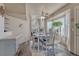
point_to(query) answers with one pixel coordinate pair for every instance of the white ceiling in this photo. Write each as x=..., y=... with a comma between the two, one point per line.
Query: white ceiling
x=35, y=8
x=16, y=10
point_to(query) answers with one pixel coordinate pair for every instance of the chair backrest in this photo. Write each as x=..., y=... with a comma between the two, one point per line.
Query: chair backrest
x=52, y=37
x=23, y=50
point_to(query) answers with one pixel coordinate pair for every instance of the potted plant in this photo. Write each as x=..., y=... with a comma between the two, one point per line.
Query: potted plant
x=77, y=25
x=56, y=24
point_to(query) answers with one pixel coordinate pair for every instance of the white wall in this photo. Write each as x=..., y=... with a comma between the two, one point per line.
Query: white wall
x=76, y=31
x=2, y=20
x=23, y=32
x=7, y=47
x=1, y=24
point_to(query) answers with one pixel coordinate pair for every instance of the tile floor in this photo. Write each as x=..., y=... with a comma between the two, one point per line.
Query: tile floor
x=58, y=51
